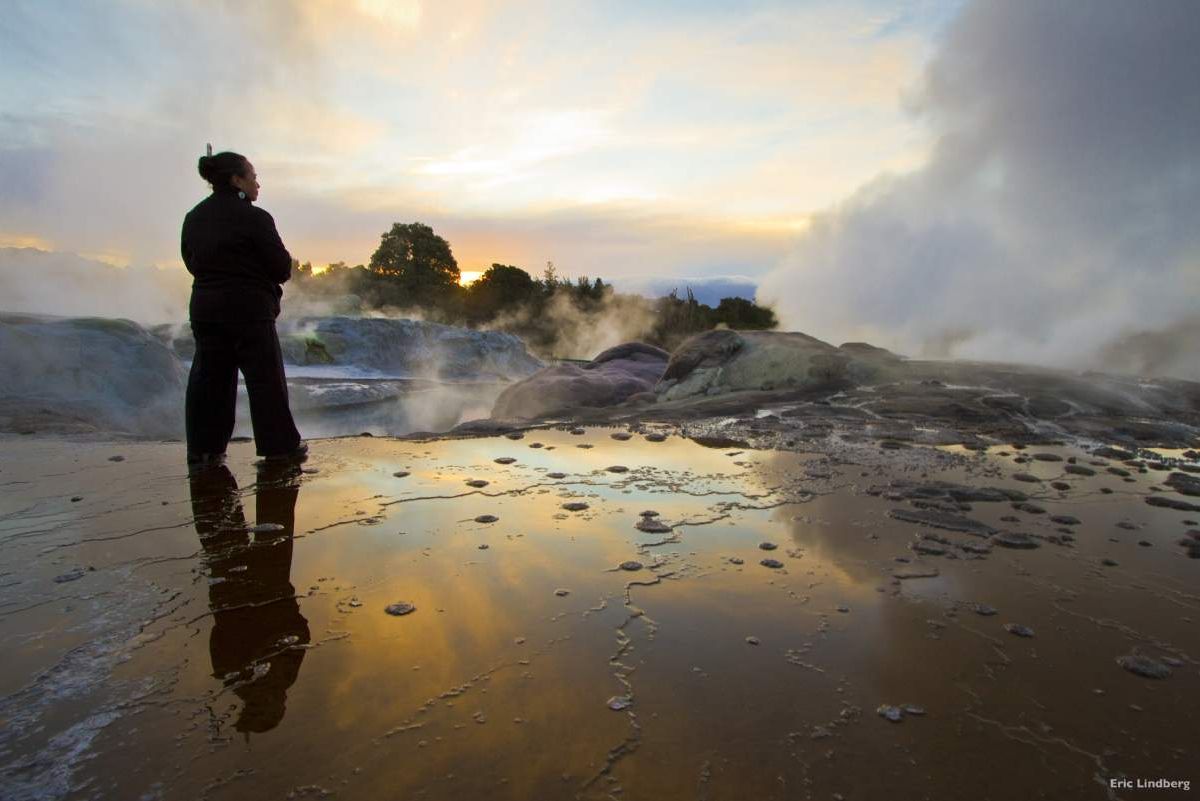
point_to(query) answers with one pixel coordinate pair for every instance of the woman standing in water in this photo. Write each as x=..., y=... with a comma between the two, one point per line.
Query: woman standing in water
x=238, y=264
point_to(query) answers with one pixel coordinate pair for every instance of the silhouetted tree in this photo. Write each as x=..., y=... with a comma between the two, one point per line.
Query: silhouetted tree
x=416, y=265
x=744, y=314
x=549, y=282
x=500, y=288
x=414, y=268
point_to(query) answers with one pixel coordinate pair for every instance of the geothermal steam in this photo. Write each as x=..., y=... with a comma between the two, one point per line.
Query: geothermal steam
x=1055, y=220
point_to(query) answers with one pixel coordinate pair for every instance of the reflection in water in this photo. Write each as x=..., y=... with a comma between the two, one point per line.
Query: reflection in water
x=257, y=625
x=735, y=680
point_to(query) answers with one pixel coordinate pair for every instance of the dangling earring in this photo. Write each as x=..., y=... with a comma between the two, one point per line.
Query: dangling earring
x=241, y=194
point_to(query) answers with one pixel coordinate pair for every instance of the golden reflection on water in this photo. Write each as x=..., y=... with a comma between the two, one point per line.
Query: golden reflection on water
x=286, y=673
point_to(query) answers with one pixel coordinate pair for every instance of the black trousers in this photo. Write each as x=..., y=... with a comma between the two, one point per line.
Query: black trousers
x=221, y=350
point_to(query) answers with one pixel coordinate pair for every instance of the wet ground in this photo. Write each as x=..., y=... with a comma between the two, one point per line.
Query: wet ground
x=377, y=627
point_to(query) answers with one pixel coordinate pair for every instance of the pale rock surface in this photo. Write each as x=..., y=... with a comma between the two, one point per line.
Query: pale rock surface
x=721, y=361
x=87, y=374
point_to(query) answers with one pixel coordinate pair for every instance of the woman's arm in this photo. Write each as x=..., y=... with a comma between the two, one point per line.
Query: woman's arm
x=274, y=257
x=184, y=249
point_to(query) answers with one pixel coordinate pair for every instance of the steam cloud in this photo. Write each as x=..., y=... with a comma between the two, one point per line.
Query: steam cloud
x=1055, y=220
x=584, y=334
x=36, y=281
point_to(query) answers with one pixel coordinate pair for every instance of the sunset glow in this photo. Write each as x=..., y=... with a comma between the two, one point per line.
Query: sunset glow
x=608, y=140
x=599, y=399
x=859, y=166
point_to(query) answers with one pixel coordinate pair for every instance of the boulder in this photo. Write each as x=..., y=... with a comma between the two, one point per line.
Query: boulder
x=729, y=361
x=87, y=374
x=613, y=377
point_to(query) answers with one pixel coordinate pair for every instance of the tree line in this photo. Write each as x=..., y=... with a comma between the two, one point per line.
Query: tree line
x=414, y=270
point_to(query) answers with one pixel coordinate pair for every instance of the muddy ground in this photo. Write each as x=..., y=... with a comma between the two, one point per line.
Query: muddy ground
x=783, y=601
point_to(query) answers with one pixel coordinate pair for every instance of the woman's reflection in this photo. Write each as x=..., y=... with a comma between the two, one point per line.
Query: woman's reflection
x=258, y=633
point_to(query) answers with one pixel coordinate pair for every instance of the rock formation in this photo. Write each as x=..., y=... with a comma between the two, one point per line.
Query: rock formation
x=613, y=377
x=87, y=374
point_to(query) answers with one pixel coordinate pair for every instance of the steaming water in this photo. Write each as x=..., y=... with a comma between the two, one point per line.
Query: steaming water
x=329, y=372
x=345, y=375
x=390, y=376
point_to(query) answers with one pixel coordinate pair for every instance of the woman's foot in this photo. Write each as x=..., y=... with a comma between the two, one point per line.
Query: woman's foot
x=297, y=454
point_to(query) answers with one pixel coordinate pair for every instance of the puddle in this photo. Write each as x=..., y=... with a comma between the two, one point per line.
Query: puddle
x=226, y=636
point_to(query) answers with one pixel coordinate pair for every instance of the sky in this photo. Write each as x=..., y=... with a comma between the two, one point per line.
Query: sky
x=685, y=139
x=974, y=178
x=1056, y=219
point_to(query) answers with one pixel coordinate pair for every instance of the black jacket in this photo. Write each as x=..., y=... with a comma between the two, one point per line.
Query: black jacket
x=237, y=259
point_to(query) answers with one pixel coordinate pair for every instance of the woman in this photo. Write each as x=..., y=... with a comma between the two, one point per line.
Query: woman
x=238, y=262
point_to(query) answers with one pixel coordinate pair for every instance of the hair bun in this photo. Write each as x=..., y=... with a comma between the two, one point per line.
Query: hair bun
x=219, y=168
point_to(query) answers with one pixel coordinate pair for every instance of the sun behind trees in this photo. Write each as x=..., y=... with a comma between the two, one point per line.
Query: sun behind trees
x=413, y=272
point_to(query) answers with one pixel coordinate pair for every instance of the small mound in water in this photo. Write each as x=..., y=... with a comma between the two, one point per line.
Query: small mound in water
x=400, y=608
x=1144, y=666
x=1172, y=503
x=1184, y=484
x=1014, y=539
x=893, y=713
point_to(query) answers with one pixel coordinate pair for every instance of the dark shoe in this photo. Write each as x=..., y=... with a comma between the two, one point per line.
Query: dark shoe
x=205, y=459
x=297, y=454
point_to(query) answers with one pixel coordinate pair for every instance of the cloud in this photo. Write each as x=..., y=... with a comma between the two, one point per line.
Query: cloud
x=530, y=112
x=611, y=240
x=1056, y=212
